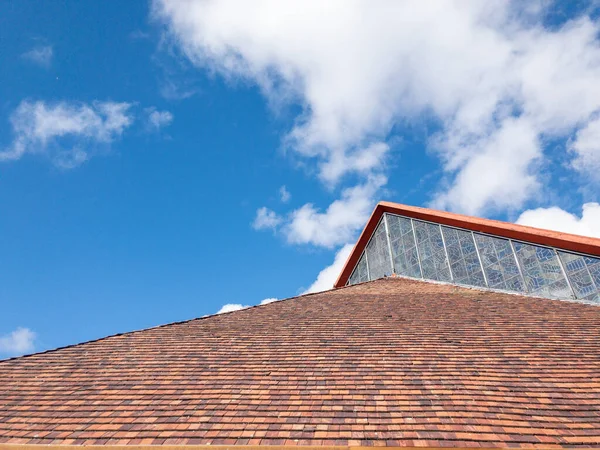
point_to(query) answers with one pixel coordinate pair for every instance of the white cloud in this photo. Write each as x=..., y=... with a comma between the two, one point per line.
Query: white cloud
x=158, y=119
x=41, y=55
x=64, y=131
x=334, y=226
x=586, y=146
x=363, y=161
x=266, y=219
x=284, y=194
x=18, y=341
x=339, y=222
x=488, y=73
x=329, y=274
x=555, y=218
x=230, y=307
x=499, y=174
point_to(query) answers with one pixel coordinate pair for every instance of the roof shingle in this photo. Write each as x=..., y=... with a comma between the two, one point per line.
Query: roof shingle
x=390, y=362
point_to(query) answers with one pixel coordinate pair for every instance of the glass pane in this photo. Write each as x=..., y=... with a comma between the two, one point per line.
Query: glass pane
x=418, y=250
x=593, y=266
x=404, y=250
x=499, y=263
x=360, y=272
x=542, y=272
x=378, y=254
x=431, y=251
x=464, y=262
x=579, y=275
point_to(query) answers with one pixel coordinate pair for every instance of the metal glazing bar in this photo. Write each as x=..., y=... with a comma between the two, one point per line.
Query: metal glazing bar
x=367, y=263
x=479, y=259
x=512, y=247
x=446, y=253
x=389, y=242
x=412, y=224
x=564, y=272
x=350, y=277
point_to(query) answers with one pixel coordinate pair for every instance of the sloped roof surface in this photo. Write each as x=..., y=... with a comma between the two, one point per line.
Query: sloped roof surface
x=390, y=362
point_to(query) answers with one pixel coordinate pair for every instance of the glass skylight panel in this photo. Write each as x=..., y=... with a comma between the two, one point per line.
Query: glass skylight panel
x=579, y=275
x=363, y=272
x=360, y=274
x=593, y=265
x=499, y=264
x=431, y=251
x=404, y=249
x=541, y=271
x=378, y=254
x=430, y=244
x=464, y=262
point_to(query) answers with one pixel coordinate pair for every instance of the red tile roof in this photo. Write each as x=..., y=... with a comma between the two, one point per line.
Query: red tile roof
x=565, y=241
x=392, y=362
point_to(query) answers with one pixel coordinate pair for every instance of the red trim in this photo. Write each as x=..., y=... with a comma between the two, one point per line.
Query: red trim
x=565, y=241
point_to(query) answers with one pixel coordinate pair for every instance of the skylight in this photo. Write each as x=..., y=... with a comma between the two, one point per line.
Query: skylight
x=420, y=249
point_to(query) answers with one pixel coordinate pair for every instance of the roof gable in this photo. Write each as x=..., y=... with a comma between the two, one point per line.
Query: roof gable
x=441, y=246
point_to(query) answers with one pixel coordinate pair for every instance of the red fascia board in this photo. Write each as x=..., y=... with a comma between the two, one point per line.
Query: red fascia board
x=564, y=241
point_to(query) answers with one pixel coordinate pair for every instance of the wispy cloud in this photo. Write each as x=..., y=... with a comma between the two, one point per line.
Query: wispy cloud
x=284, y=194
x=266, y=219
x=69, y=133
x=328, y=228
x=170, y=89
x=18, y=342
x=41, y=55
x=139, y=35
x=158, y=119
x=43, y=128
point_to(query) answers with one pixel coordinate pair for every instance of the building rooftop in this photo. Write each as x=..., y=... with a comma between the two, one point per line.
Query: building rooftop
x=395, y=362
x=444, y=330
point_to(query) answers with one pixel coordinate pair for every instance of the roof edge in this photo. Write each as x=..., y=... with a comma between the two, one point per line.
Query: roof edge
x=213, y=447
x=153, y=327
x=563, y=241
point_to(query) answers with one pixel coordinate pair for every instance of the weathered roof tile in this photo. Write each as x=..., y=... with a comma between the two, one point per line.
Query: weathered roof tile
x=392, y=362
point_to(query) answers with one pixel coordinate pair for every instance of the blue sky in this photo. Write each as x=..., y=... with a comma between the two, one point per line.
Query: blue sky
x=161, y=160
